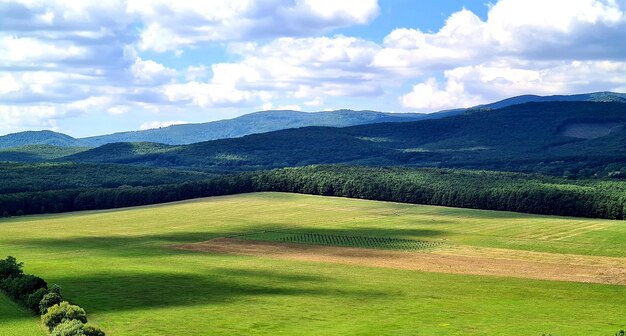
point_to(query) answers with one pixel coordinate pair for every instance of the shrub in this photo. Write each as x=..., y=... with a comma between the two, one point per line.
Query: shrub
x=9, y=267
x=49, y=300
x=32, y=300
x=92, y=331
x=19, y=287
x=62, y=312
x=55, y=289
x=75, y=328
x=68, y=328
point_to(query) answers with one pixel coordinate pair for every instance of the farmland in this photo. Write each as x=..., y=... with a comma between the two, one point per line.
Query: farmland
x=126, y=268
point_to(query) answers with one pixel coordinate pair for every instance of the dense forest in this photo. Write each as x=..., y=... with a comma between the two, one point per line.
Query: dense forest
x=20, y=178
x=458, y=188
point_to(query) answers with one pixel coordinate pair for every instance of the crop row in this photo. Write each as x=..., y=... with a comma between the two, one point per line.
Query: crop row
x=358, y=241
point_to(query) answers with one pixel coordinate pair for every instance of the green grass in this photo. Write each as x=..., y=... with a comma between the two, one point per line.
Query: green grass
x=15, y=321
x=116, y=265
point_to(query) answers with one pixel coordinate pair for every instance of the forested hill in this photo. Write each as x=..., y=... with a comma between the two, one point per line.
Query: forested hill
x=37, y=138
x=598, y=97
x=258, y=122
x=561, y=138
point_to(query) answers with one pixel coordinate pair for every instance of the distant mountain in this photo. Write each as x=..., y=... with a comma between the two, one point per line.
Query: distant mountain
x=598, y=97
x=258, y=122
x=561, y=138
x=37, y=138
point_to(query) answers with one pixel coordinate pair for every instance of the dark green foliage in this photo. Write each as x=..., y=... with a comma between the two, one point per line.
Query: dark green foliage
x=9, y=267
x=458, y=188
x=124, y=196
x=90, y=330
x=37, y=153
x=75, y=328
x=50, y=299
x=62, y=312
x=33, y=300
x=19, y=287
x=17, y=178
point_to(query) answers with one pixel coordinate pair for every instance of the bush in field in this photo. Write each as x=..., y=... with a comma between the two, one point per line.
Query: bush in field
x=90, y=330
x=21, y=286
x=68, y=328
x=75, y=328
x=9, y=267
x=32, y=300
x=62, y=312
x=49, y=300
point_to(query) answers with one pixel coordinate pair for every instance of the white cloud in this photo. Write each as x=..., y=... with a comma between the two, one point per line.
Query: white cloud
x=60, y=56
x=160, y=124
x=60, y=59
x=270, y=106
x=429, y=96
x=170, y=25
x=151, y=72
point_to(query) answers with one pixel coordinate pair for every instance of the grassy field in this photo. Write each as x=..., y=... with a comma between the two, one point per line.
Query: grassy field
x=119, y=266
x=14, y=321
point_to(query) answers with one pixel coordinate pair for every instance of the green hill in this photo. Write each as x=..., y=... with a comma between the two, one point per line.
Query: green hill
x=37, y=153
x=526, y=137
x=37, y=138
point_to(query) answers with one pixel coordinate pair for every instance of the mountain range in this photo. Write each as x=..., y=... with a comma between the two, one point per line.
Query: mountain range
x=559, y=138
x=267, y=121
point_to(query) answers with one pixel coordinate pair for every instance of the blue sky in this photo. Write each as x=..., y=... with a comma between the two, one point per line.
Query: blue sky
x=95, y=67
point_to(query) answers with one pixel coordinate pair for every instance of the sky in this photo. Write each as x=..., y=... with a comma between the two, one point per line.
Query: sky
x=95, y=67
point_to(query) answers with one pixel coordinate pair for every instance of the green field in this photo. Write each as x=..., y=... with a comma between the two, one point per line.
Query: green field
x=15, y=321
x=119, y=266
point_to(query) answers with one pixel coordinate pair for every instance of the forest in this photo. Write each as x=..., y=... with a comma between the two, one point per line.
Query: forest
x=530, y=193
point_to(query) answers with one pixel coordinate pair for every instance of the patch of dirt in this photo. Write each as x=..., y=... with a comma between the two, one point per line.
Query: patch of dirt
x=457, y=260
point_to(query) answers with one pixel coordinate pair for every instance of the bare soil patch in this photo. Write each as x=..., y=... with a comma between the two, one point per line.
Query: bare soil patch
x=461, y=260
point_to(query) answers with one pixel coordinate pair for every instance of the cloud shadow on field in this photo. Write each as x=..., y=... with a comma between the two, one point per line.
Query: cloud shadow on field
x=121, y=291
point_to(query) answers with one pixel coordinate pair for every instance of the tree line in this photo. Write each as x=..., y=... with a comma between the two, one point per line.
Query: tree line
x=456, y=188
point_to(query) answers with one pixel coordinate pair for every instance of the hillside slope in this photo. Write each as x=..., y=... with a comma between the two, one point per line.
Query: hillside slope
x=37, y=138
x=527, y=137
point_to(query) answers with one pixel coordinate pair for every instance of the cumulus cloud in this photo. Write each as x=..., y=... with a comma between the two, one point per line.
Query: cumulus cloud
x=540, y=47
x=169, y=25
x=65, y=58
x=58, y=56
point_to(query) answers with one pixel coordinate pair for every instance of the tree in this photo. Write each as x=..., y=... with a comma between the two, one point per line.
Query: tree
x=9, y=267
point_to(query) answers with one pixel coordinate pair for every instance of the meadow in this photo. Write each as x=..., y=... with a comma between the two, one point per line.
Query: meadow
x=122, y=267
